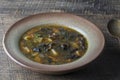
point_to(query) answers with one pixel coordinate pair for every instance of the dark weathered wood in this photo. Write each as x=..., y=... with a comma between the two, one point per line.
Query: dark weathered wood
x=106, y=67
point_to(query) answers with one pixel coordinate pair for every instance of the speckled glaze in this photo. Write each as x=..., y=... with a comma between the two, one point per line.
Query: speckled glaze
x=90, y=31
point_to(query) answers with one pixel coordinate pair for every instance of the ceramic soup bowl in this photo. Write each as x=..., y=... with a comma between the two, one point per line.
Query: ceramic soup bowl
x=93, y=35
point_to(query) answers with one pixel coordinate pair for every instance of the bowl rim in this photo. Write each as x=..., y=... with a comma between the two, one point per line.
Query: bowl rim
x=56, y=70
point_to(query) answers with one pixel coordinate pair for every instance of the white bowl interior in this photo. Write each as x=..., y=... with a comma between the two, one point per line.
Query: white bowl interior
x=94, y=37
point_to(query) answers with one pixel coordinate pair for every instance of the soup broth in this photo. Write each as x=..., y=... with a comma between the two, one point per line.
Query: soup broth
x=53, y=44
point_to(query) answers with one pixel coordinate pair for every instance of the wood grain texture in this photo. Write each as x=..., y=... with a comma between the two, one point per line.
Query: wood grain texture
x=105, y=67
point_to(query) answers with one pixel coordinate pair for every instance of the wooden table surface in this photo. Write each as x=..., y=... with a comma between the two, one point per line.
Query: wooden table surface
x=105, y=67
